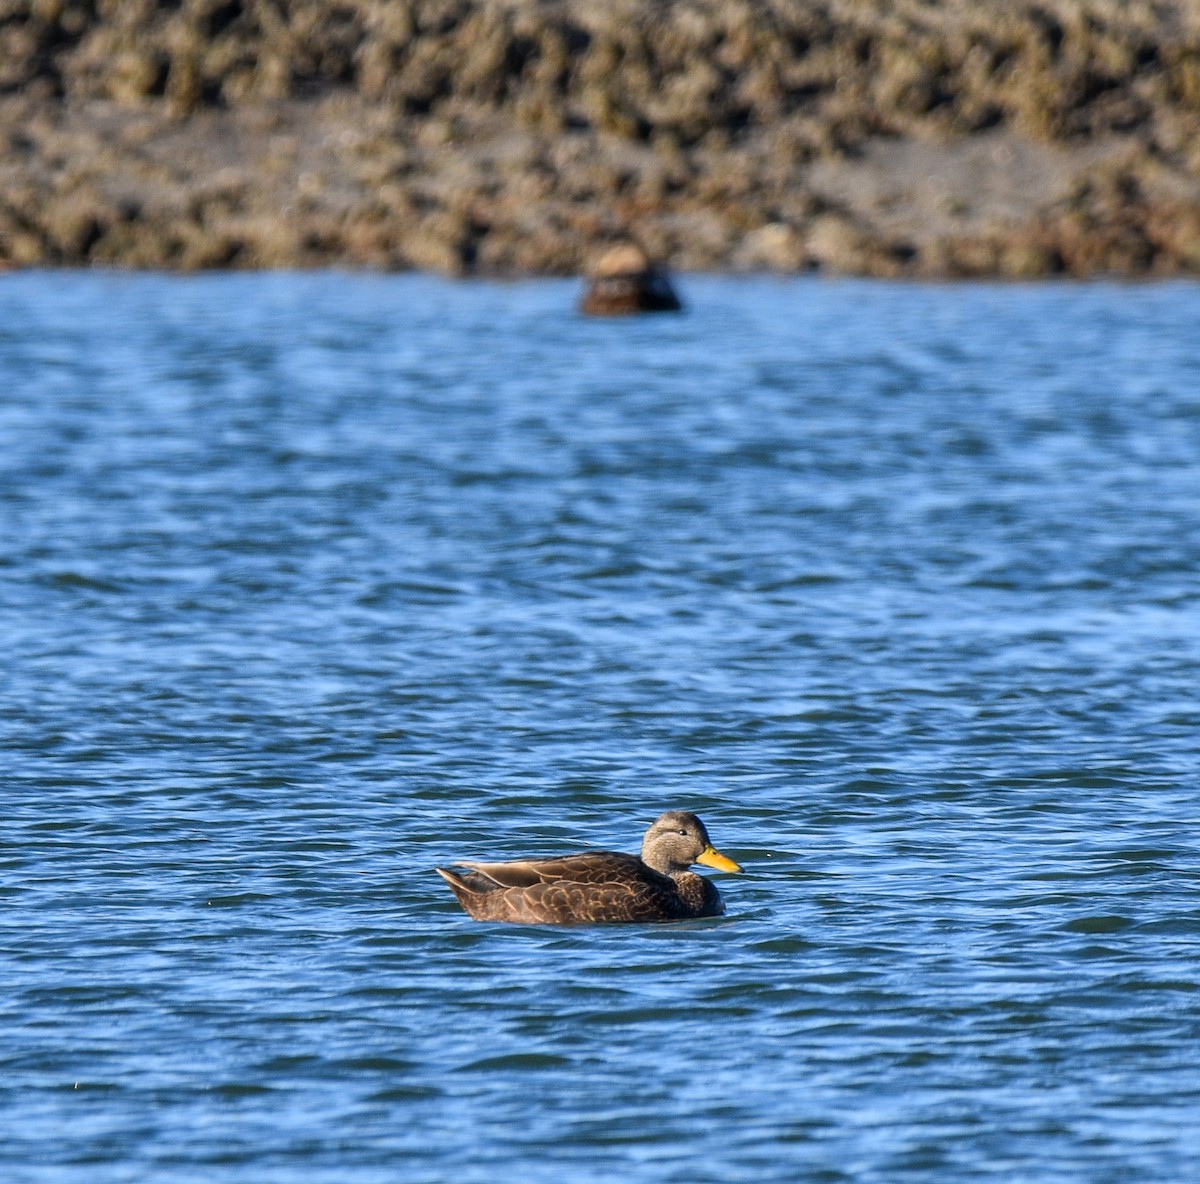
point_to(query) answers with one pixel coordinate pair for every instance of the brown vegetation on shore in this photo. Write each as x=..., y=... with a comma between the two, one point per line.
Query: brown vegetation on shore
x=883, y=137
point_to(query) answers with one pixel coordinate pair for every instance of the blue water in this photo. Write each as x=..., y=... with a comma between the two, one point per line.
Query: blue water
x=311, y=582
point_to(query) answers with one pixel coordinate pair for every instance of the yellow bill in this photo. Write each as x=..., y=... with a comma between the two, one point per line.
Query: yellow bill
x=711, y=857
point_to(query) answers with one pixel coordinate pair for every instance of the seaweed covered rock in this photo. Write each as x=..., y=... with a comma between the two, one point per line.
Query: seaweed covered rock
x=878, y=137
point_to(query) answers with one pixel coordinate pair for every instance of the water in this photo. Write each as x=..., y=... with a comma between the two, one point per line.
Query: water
x=308, y=583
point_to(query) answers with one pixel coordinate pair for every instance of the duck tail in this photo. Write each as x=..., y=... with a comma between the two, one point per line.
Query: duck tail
x=473, y=896
x=458, y=884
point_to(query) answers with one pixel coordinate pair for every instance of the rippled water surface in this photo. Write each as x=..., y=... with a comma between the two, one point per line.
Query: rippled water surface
x=309, y=583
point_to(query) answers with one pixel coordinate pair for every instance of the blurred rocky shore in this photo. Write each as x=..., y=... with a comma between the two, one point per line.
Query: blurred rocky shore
x=1016, y=138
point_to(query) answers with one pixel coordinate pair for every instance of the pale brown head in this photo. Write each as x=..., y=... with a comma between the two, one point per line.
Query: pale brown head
x=678, y=839
x=623, y=259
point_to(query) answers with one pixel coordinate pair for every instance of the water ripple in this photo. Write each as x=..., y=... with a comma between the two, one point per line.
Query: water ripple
x=310, y=583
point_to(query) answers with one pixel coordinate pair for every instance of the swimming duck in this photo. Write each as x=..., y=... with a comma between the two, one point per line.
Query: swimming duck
x=625, y=280
x=600, y=886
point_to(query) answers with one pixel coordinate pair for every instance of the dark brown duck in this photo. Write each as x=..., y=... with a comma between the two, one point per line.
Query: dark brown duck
x=600, y=886
x=625, y=281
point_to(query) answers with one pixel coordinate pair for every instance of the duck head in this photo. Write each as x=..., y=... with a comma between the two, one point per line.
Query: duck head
x=678, y=839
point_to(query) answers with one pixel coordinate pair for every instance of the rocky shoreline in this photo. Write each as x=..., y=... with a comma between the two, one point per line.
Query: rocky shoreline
x=512, y=137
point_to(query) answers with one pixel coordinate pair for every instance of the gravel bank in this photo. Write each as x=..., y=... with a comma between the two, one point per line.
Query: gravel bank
x=871, y=137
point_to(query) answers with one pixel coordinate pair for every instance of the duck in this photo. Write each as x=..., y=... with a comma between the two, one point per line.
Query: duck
x=625, y=281
x=600, y=887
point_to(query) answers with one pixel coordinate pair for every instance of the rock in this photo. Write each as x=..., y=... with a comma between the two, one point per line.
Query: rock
x=867, y=137
x=774, y=247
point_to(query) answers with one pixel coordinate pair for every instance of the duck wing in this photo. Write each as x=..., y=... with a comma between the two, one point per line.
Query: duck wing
x=592, y=887
x=588, y=867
